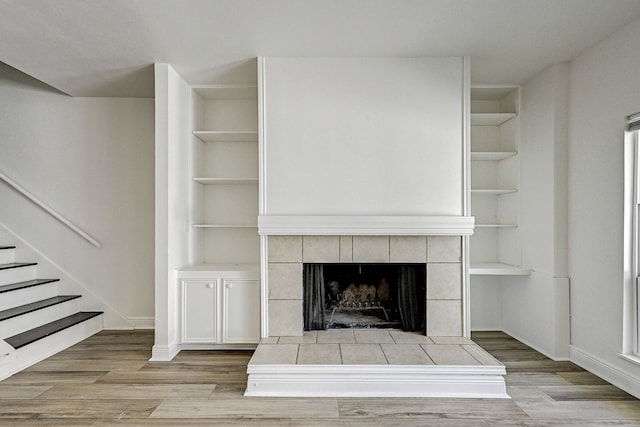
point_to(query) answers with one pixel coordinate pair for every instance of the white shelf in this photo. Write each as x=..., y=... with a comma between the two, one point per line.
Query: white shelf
x=497, y=269
x=225, y=226
x=493, y=191
x=231, y=91
x=496, y=225
x=222, y=181
x=226, y=135
x=491, y=155
x=490, y=119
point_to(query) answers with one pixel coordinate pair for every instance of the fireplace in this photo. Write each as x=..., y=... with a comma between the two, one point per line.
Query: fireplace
x=364, y=295
x=439, y=294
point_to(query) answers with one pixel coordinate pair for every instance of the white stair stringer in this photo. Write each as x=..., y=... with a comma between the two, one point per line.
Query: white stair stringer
x=22, y=358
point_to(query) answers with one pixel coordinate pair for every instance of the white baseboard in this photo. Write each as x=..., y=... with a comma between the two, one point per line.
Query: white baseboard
x=376, y=381
x=164, y=353
x=143, y=322
x=612, y=374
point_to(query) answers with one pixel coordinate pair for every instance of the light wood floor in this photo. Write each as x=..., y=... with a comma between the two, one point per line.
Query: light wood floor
x=107, y=381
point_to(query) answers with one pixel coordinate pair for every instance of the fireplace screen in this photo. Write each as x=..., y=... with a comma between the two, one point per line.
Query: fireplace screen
x=364, y=296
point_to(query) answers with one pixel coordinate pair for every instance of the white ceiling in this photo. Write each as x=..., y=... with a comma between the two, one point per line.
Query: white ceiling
x=106, y=47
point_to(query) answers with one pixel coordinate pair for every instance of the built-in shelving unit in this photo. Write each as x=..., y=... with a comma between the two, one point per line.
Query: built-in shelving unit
x=495, y=245
x=225, y=175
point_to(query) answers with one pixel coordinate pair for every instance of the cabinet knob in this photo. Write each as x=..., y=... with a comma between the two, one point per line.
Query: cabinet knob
x=209, y=285
x=229, y=286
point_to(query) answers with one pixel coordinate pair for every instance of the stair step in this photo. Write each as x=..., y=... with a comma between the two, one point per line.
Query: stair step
x=16, y=265
x=35, y=334
x=27, y=284
x=38, y=305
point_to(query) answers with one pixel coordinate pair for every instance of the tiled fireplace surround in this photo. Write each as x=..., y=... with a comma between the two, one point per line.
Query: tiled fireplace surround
x=441, y=254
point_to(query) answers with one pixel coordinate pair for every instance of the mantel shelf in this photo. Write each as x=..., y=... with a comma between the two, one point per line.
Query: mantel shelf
x=491, y=119
x=492, y=155
x=226, y=135
x=493, y=191
x=221, y=181
x=497, y=269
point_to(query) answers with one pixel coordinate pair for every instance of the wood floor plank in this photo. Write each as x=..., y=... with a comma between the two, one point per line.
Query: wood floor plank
x=87, y=365
x=131, y=391
x=170, y=377
x=397, y=422
x=13, y=391
x=32, y=422
x=591, y=411
x=248, y=408
x=198, y=422
x=44, y=408
x=431, y=408
x=54, y=377
x=585, y=392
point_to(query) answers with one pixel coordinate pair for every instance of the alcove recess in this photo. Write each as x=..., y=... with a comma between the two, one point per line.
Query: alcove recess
x=495, y=170
x=225, y=174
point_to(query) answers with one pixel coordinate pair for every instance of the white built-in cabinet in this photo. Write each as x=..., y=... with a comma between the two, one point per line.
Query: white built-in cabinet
x=220, y=311
x=495, y=245
x=220, y=289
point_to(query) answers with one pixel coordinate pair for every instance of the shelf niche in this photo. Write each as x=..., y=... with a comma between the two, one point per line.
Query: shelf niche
x=495, y=245
x=224, y=207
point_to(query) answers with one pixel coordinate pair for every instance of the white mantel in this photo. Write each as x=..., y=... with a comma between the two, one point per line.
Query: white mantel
x=366, y=225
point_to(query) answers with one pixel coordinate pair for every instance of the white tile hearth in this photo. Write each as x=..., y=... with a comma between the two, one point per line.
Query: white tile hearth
x=406, y=354
x=362, y=354
x=319, y=354
x=375, y=336
x=397, y=364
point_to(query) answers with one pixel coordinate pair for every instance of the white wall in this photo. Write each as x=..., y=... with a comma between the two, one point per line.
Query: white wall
x=364, y=136
x=91, y=159
x=535, y=308
x=604, y=89
x=172, y=203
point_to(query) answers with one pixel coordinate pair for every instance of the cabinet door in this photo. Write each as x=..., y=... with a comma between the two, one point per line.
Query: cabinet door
x=241, y=311
x=199, y=311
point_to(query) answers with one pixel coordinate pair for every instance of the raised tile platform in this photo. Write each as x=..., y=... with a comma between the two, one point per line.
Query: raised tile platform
x=373, y=363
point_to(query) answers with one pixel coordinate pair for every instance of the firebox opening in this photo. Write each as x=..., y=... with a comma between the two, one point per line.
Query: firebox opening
x=364, y=296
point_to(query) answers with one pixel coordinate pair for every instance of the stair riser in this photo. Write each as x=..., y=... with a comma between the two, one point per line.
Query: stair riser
x=14, y=275
x=28, y=295
x=7, y=256
x=34, y=319
x=46, y=347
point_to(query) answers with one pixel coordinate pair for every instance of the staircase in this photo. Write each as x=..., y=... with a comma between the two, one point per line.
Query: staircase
x=35, y=321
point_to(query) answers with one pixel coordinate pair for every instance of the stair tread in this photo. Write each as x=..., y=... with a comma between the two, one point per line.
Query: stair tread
x=2, y=248
x=16, y=265
x=37, y=305
x=27, y=284
x=35, y=334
